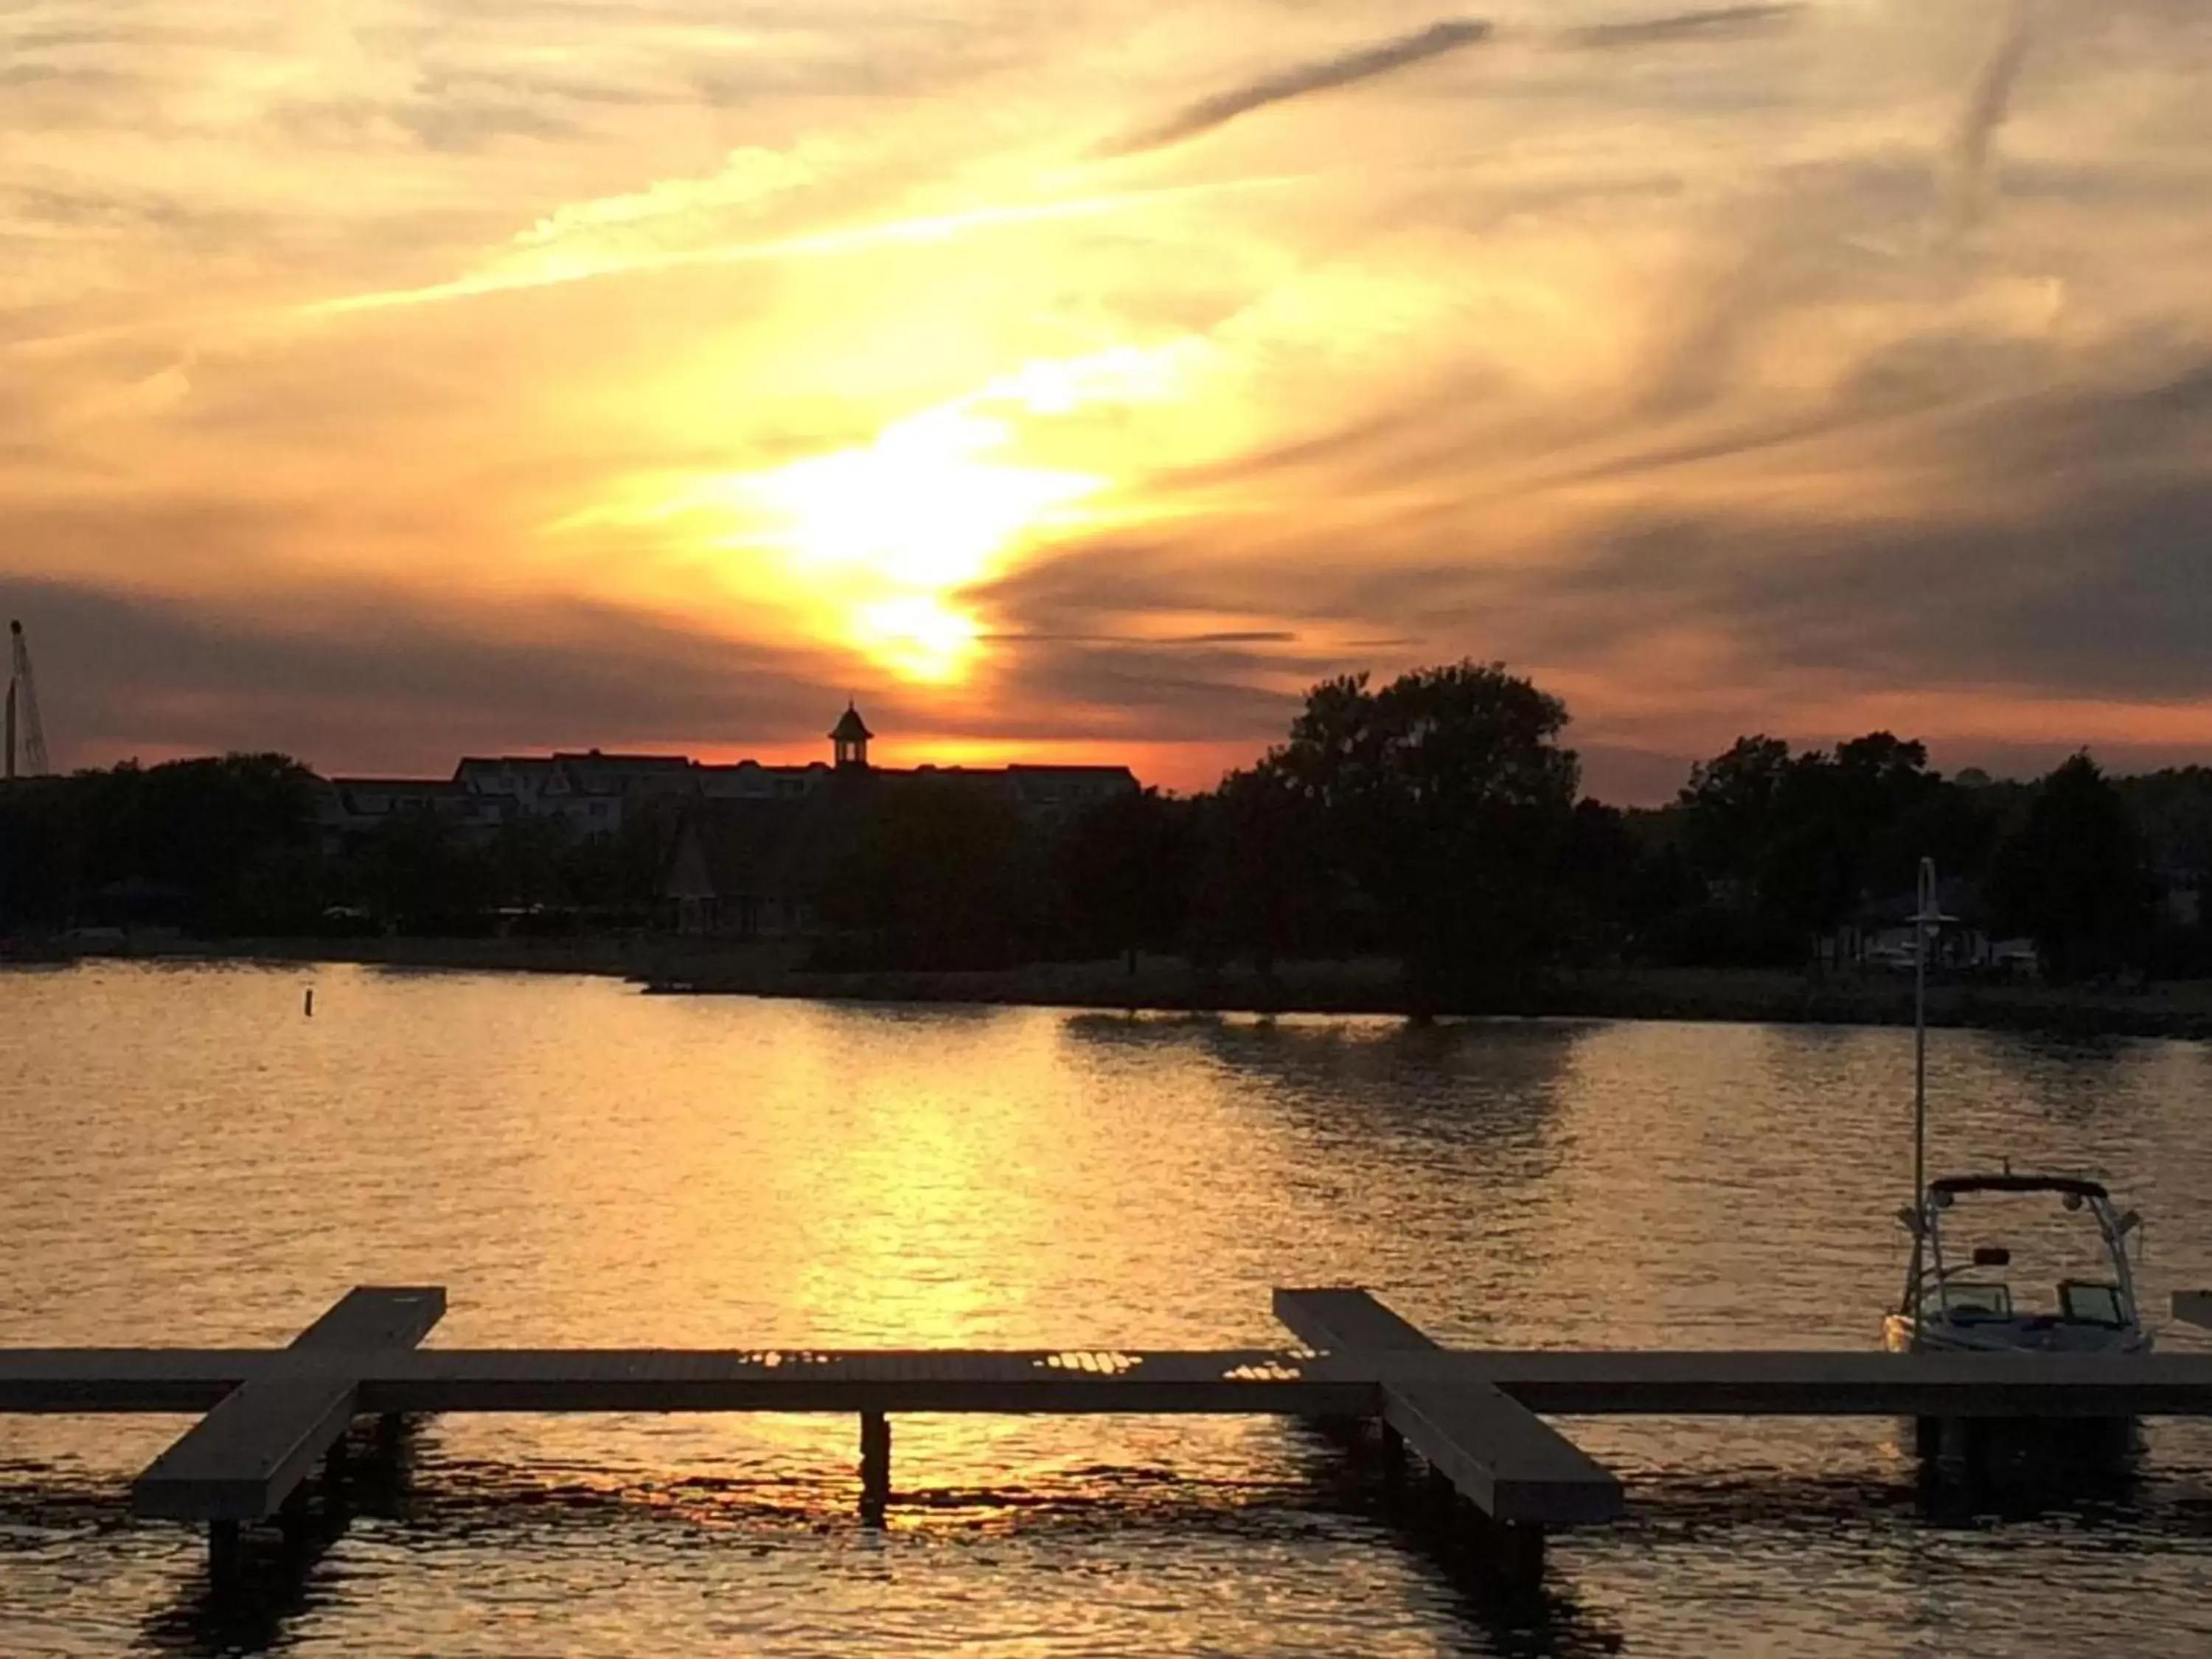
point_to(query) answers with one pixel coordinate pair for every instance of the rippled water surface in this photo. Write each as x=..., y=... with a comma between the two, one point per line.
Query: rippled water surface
x=184, y=1159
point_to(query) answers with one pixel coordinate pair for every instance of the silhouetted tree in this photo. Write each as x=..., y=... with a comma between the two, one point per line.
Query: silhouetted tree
x=2074, y=877
x=1446, y=798
x=222, y=845
x=1729, y=807
x=529, y=861
x=419, y=875
x=942, y=876
x=40, y=855
x=1264, y=883
x=1796, y=845
x=1600, y=864
x=2173, y=809
x=1127, y=868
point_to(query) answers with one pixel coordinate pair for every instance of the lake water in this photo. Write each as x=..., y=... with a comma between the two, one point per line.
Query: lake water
x=184, y=1159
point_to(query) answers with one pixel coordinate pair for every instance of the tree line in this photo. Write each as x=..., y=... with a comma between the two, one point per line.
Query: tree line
x=1437, y=819
x=231, y=846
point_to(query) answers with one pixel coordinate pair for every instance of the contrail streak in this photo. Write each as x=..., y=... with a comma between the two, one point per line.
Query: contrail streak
x=1369, y=63
x=1330, y=73
x=1685, y=25
x=1987, y=108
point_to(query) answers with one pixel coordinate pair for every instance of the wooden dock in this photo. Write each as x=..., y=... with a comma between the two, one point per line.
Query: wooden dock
x=1471, y=1414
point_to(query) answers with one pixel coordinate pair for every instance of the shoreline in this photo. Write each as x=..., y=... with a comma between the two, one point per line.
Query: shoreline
x=673, y=967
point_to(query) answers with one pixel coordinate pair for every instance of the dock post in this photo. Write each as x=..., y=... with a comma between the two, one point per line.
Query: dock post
x=875, y=1464
x=223, y=1556
x=1393, y=1458
x=1977, y=1439
x=1514, y=1552
x=1437, y=1487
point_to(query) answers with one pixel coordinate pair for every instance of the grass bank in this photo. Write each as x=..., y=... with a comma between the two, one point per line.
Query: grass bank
x=1371, y=987
x=1366, y=986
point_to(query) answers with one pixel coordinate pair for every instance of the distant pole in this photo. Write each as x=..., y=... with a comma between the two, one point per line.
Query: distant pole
x=310, y=1008
x=26, y=736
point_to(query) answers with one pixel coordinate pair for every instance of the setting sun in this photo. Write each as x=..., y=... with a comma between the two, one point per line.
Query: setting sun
x=886, y=535
x=869, y=548
x=920, y=638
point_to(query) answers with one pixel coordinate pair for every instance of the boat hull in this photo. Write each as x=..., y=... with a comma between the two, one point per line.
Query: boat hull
x=1902, y=1333
x=1980, y=1447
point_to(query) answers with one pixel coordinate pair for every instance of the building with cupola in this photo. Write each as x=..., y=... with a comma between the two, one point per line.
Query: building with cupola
x=750, y=838
x=755, y=846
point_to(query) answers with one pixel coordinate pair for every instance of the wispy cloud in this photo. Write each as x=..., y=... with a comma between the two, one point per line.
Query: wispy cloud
x=1988, y=106
x=750, y=177
x=1373, y=63
x=1347, y=69
x=1714, y=24
x=510, y=275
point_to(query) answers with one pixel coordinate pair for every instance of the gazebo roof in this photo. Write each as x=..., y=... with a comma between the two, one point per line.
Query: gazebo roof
x=850, y=728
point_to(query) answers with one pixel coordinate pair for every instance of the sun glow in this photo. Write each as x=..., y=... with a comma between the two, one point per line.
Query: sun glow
x=920, y=638
x=891, y=532
x=924, y=507
x=872, y=546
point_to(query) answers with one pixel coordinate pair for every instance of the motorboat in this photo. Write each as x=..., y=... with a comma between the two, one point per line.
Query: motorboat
x=1961, y=1299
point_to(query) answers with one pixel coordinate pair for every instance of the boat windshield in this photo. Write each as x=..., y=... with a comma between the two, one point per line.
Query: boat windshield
x=2092, y=1304
x=1964, y=1301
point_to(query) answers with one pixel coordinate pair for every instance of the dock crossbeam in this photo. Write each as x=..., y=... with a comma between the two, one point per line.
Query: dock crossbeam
x=1517, y=1475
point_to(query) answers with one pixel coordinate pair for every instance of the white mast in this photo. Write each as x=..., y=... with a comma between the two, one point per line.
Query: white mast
x=1927, y=921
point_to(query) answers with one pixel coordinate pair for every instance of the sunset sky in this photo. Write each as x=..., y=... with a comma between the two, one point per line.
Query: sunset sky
x=384, y=380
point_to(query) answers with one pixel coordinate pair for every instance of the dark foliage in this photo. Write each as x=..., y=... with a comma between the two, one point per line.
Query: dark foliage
x=1264, y=884
x=1435, y=820
x=1446, y=801
x=220, y=845
x=1126, y=873
x=941, y=876
x=2076, y=877
x=231, y=847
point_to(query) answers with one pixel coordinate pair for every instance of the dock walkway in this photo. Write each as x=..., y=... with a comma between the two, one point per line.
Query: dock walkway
x=1471, y=1413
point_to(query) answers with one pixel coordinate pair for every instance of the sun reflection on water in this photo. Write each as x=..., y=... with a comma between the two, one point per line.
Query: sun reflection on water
x=582, y=1166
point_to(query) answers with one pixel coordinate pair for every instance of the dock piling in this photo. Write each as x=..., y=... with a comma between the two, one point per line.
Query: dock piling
x=223, y=1554
x=875, y=1464
x=1512, y=1553
x=1393, y=1458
